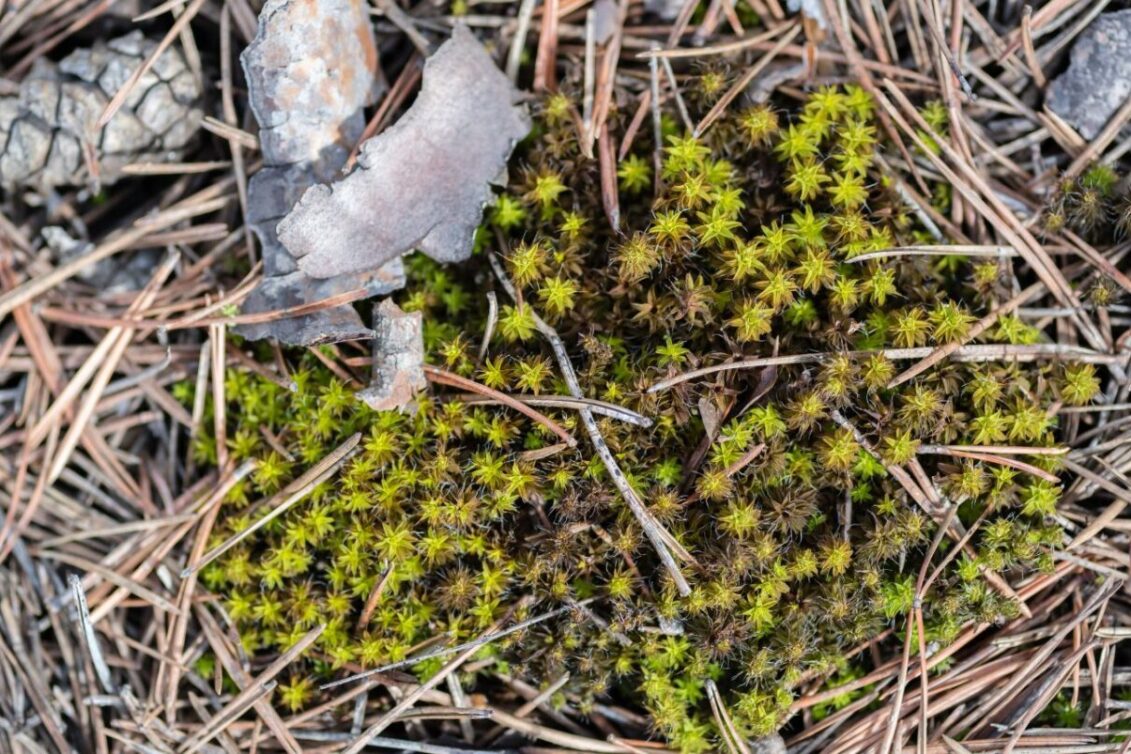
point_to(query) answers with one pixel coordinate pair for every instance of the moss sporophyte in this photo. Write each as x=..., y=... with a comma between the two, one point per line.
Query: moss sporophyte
x=783, y=483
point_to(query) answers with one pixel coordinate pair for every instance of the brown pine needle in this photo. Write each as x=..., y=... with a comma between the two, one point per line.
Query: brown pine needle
x=601, y=408
x=978, y=352
x=442, y=377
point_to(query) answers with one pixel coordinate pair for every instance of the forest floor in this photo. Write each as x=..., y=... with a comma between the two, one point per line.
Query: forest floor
x=127, y=260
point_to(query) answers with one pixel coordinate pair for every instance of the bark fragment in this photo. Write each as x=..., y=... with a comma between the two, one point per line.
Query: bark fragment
x=311, y=70
x=398, y=358
x=423, y=183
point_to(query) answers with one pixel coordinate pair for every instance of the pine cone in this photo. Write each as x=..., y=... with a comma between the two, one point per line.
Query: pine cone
x=49, y=131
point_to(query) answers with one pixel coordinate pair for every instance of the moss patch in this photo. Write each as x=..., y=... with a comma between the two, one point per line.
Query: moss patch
x=804, y=543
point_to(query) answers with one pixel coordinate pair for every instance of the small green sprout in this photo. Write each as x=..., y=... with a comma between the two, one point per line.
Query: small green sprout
x=635, y=174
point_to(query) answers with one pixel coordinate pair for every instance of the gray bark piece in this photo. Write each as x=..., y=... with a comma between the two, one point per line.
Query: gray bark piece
x=326, y=326
x=398, y=358
x=311, y=70
x=53, y=119
x=765, y=84
x=1098, y=79
x=424, y=182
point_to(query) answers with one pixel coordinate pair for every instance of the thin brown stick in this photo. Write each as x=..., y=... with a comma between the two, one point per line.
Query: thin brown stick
x=545, y=60
x=975, y=353
x=666, y=545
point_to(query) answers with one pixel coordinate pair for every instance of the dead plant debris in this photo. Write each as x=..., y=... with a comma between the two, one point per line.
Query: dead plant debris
x=131, y=250
x=398, y=358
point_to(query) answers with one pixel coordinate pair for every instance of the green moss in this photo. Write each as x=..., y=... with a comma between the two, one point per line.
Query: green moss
x=743, y=253
x=1096, y=204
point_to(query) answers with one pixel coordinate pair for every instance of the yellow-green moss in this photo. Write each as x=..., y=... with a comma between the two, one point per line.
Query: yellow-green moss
x=746, y=251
